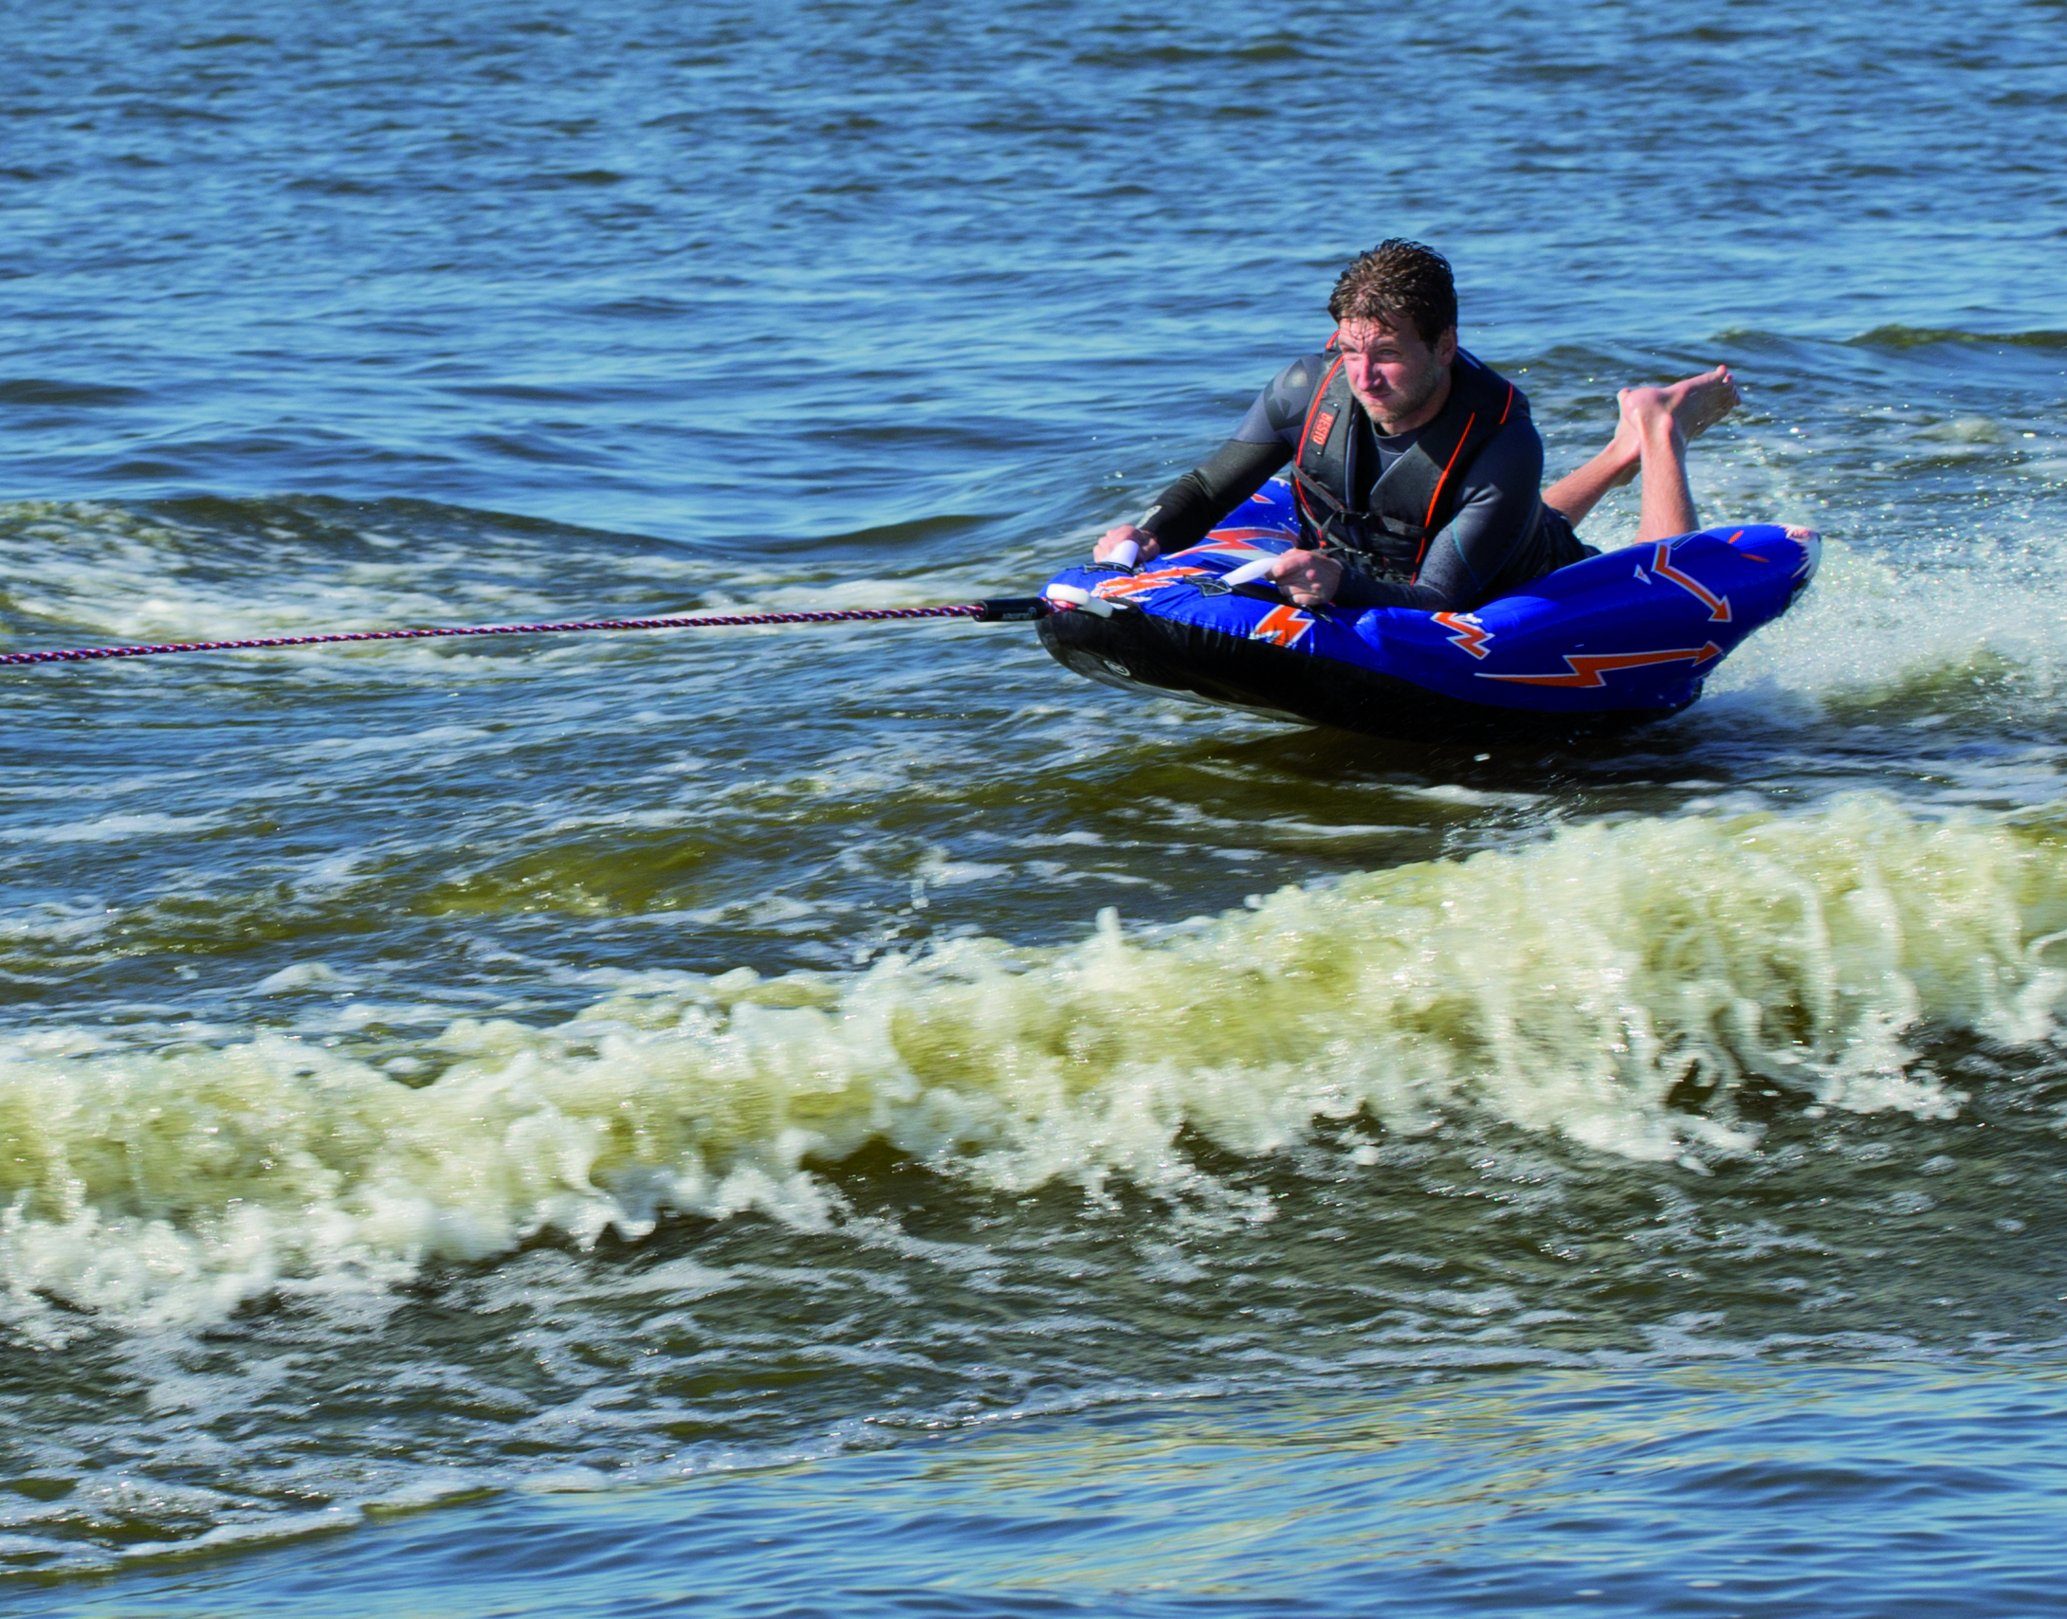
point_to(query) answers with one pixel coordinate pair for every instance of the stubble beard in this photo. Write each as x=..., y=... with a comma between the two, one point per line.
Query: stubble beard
x=1406, y=407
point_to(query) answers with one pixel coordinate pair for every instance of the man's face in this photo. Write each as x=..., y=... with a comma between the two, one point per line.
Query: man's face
x=1394, y=374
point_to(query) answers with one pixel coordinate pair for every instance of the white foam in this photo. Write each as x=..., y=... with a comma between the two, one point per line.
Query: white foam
x=1613, y=985
x=301, y=976
x=110, y=829
x=1869, y=624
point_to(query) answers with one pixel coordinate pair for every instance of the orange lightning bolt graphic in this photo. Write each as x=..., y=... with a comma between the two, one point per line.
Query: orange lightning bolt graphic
x=1234, y=540
x=1143, y=584
x=1592, y=668
x=1283, y=625
x=1470, y=636
x=1718, y=606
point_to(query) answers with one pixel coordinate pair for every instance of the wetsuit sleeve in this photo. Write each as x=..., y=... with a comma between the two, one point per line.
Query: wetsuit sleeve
x=1183, y=513
x=1499, y=513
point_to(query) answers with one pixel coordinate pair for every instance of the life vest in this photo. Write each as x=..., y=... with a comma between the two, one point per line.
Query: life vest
x=1416, y=496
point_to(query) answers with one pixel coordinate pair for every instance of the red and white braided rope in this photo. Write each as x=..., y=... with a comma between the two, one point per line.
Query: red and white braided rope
x=852, y=615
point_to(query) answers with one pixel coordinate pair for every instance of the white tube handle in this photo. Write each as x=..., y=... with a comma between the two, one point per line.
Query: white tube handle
x=1248, y=573
x=1072, y=596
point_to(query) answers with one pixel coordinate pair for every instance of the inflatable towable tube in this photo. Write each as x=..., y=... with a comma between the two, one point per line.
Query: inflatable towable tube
x=1615, y=639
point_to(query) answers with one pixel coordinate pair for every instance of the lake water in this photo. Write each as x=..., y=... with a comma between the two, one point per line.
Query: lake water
x=857, y=1121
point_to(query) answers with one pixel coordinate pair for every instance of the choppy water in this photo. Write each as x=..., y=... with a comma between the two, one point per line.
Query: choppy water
x=855, y=1121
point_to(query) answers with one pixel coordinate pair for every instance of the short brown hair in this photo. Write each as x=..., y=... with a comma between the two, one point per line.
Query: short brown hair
x=1396, y=279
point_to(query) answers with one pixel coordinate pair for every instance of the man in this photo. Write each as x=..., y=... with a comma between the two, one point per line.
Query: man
x=1416, y=468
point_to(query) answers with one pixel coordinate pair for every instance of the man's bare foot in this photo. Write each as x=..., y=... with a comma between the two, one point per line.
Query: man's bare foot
x=1695, y=404
x=1681, y=410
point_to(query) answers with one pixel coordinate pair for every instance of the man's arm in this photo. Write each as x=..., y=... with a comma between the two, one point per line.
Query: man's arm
x=1184, y=513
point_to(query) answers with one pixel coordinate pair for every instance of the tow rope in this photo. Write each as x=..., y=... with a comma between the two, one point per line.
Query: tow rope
x=996, y=610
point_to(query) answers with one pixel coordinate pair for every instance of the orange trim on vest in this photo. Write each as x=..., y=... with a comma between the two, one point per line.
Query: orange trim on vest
x=1435, y=499
x=1305, y=428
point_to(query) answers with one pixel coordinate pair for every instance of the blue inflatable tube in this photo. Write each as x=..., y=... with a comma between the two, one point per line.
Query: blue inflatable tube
x=1616, y=639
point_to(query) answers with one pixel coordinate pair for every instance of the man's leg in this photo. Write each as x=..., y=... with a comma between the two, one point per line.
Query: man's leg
x=1577, y=493
x=1694, y=405
x=1667, y=502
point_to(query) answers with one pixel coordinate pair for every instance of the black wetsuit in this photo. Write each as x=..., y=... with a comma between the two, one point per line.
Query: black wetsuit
x=1501, y=536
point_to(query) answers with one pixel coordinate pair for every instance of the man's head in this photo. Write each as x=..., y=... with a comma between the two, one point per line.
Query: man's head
x=1395, y=311
x=1398, y=283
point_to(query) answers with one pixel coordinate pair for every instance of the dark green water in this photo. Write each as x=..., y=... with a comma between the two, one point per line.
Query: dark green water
x=855, y=1121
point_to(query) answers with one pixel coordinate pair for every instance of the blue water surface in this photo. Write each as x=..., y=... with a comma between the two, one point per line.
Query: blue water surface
x=328, y=317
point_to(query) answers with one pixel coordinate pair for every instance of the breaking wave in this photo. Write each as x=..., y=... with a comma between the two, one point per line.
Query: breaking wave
x=1623, y=986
